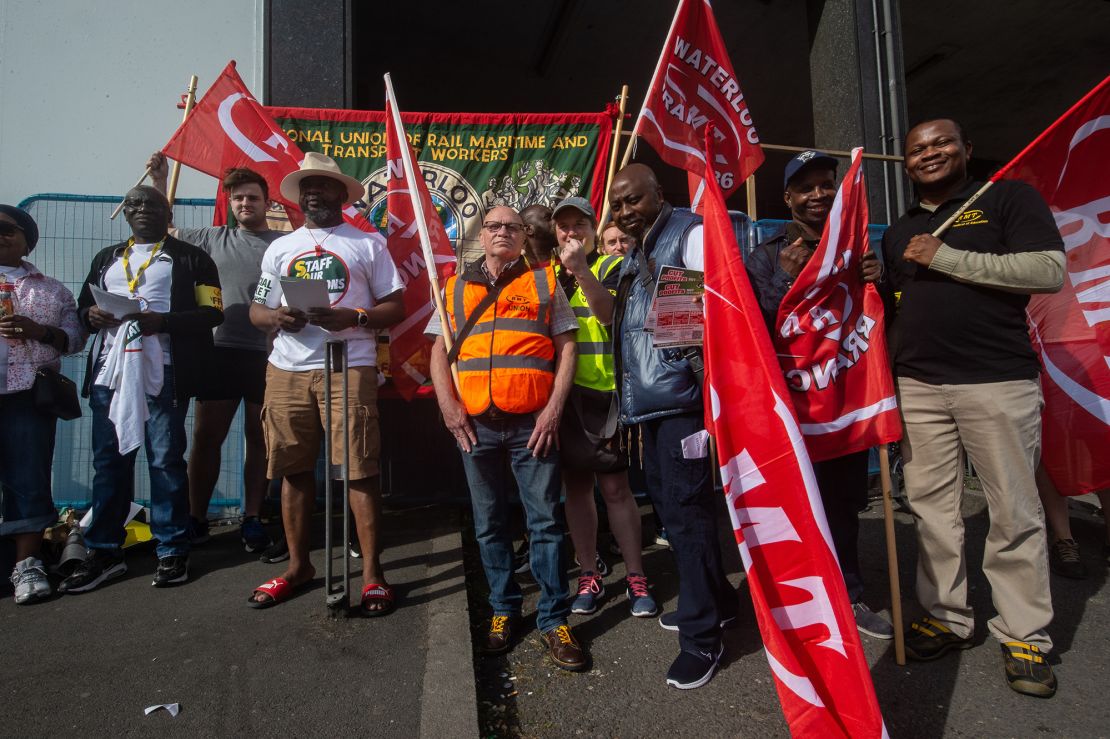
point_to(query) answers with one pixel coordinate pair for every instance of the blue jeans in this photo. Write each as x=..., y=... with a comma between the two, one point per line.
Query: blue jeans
x=114, y=473
x=26, y=454
x=540, y=483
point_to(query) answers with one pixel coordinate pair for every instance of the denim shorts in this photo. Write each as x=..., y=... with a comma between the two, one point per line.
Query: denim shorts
x=26, y=455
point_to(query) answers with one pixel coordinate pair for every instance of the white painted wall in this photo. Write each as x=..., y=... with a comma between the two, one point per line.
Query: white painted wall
x=88, y=90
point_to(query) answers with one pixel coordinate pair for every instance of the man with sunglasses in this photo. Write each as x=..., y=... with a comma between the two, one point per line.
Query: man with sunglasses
x=178, y=288
x=513, y=339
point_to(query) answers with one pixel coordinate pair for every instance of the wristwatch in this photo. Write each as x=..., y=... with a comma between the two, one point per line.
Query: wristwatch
x=363, y=318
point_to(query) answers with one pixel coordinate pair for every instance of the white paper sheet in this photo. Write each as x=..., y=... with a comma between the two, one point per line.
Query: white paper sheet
x=173, y=708
x=696, y=445
x=305, y=294
x=118, y=305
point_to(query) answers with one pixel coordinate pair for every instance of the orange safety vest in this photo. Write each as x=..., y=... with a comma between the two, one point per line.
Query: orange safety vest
x=507, y=361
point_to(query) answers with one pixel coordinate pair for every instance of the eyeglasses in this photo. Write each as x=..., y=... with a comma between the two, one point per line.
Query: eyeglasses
x=495, y=226
x=9, y=229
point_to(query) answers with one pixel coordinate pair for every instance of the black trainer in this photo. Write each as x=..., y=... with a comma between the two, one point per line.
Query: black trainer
x=172, y=570
x=1027, y=670
x=1063, y=559
x=197, y=531
x=99, y=566
x=694, y=669
x=276, y=552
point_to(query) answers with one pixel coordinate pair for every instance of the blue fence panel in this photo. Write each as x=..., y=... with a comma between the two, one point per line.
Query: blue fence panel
x=73, y=228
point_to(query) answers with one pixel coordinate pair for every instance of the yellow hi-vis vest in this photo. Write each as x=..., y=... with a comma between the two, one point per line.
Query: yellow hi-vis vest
x=595, y=344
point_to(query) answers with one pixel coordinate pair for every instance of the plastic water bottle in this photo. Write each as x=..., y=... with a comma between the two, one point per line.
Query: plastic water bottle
x=8, y=305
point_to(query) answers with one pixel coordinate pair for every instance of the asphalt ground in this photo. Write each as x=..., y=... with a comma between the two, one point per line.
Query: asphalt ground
x=963, y=694
x=88, y=665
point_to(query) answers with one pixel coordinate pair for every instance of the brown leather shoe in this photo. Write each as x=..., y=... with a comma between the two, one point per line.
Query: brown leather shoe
x=499, y=638
x=565, y=650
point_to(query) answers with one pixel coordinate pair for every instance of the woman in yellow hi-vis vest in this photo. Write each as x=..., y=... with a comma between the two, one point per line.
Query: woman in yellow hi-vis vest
x=589, y=444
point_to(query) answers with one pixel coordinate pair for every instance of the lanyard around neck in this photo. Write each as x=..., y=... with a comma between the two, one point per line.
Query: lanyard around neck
x=133, y=280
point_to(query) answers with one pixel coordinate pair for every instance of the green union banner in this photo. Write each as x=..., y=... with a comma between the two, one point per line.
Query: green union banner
x=470, y=161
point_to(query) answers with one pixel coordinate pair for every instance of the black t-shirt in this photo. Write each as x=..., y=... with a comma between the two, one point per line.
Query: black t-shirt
x=950, y=332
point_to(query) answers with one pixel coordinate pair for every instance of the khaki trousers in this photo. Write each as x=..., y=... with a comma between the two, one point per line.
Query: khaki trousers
x=999, y=426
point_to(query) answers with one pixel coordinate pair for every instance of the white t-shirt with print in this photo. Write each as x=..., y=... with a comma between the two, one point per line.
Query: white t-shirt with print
x=153, y=291
x=359, y=272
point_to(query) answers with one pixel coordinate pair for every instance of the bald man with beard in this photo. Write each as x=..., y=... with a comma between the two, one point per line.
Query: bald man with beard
x=660, y=390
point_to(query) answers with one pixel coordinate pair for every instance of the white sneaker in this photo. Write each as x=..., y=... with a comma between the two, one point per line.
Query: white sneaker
x=29, y=579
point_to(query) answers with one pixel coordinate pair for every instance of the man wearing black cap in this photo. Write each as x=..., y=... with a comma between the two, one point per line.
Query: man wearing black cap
x=809, y=185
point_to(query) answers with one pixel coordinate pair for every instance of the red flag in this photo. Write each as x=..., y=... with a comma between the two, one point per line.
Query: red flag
x=228, y=128
x=410, y=208
x=694, y=86
x=1070, y=329
x=830, y=337
x=801, y=604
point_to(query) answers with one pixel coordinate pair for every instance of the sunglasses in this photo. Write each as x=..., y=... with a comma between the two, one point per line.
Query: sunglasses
x=9, y=229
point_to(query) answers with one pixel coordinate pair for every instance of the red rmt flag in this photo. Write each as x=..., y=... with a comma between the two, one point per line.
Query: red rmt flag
x=801, y=605
x=407, y=339
x=694, y=86
x=1068, y=165
x=830, y=337
x=228, y=128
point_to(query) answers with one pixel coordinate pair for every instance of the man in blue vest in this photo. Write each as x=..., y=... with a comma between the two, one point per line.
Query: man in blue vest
x=660, y=389
x=589, y=442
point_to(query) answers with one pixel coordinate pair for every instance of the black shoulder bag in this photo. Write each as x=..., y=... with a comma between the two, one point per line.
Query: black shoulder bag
x=55, y=394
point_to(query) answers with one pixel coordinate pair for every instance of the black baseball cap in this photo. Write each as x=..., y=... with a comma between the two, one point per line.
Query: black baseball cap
x=808, y=158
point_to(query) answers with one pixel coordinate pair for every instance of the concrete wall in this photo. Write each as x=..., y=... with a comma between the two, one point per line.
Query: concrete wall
x=88, y=90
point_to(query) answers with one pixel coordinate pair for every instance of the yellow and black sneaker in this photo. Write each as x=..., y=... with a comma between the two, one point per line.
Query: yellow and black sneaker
x=927, y=639
x=1027, y=670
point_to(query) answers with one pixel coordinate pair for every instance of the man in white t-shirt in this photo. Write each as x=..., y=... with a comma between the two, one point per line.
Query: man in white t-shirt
x=364, y=292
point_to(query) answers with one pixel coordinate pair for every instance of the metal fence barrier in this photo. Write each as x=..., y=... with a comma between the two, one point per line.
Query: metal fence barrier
x=72, y=229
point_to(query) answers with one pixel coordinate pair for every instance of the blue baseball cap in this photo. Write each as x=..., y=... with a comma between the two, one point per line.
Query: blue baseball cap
x=808, y=158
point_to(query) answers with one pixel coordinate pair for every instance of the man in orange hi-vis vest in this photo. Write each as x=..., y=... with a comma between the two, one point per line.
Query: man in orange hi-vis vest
x=513, y=338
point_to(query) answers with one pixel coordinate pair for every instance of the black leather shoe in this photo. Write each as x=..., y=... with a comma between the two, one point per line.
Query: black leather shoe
x=565, y=650
x=499, y=638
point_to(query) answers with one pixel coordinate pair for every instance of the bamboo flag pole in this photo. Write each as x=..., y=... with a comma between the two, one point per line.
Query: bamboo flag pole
x=892, y=559
x=120, y=206
x=654, y=78
x=176, y=165
x=750, y=185
x=190, y=100
x=612, y=162
x=421, y=225
x=960, y=211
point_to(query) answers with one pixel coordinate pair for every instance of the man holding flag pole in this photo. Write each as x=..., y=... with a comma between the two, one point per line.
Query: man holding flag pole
x=967, y=383
x=798, y=593
x=779, y=269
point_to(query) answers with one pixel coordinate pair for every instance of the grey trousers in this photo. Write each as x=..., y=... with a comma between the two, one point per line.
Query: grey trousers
x=998, y=425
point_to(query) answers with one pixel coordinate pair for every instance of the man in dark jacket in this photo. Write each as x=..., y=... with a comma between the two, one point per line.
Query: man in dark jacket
x=809, y=187
x=660, y=391
x=142, y=370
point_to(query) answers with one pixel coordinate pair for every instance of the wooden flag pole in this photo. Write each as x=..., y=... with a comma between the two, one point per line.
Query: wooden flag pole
x=120, y=206
x=960, y=211
x=612, y=162
x=190, y=100
x=750, y=185
x=892, y=558
x=422, y=228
